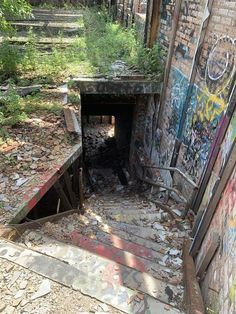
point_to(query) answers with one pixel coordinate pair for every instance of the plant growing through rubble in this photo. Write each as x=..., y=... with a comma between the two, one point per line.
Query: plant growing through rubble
x=11, y=111
x=9, y=60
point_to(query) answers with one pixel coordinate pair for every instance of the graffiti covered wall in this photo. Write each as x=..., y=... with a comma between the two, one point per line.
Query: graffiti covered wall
x=219, y=283
x=210, y=90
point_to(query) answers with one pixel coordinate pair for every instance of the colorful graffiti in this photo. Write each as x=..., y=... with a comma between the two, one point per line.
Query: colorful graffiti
x=209, y=101
x=203, y=117
x=179, y=88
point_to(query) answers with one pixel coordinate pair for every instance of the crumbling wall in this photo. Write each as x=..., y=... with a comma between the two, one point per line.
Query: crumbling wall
x=219, y=282
x=145, y=139
x=166, y=23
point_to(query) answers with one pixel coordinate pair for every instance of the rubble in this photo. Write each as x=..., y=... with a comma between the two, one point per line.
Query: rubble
x=31, y=149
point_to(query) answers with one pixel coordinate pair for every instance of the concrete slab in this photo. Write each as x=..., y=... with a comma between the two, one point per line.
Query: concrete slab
x=118, y=86
x=103, y=268
x=119, y=297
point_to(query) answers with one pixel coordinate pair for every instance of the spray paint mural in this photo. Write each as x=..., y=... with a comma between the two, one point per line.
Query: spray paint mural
x=178, y=91
x=208, y=102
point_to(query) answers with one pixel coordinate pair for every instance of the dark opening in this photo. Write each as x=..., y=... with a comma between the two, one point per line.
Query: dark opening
x=107, y=127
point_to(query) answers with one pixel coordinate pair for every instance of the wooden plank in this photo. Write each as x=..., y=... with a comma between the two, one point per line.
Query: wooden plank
x=69, y=189
x=193, y=298
x=62, y=196
x=81, y=191
x=13, y=232
x=155, y=21
x=43, y=182
x=216, y=195
x=204, y=260
x=72, y=123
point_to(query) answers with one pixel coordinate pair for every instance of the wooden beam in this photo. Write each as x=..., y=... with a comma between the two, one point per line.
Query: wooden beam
x=13, y=232
x=81, y=191
x=216, y=196
x=154, y=23
x=148, y=22
x=69, y=189
x=62, y=195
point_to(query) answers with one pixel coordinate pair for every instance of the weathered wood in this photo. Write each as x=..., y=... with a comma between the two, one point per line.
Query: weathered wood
x=81, y=191
x=13, y=232
x=69, y=189
x=154, y=23
x=72, y=123
x=204, y=260
x=75, y=178
x=62, y=196
x=193, y=297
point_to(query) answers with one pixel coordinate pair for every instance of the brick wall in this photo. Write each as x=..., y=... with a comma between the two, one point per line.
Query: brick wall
x=211, y=86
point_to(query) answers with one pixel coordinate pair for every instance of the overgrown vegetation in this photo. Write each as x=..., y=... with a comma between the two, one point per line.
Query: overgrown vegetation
x=11, y=111
x=102, y=43
x=12, y=9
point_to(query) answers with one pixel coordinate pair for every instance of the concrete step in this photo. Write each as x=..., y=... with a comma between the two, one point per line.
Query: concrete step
x=94, y=223
x=49, y=28
x=118, y=242
x=42, y=40
x=122, y=298
x=138, y=219
x=124, y=257
x=55, y=15
x=104, y=268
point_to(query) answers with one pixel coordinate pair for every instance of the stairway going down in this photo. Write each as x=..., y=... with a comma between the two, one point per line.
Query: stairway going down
x=124, y=251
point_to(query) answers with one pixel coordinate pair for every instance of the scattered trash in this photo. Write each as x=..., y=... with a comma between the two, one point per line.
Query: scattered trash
x=44, y=289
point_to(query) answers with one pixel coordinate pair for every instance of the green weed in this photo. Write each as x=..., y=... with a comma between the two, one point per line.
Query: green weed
x=11, y=112
x=9, y=60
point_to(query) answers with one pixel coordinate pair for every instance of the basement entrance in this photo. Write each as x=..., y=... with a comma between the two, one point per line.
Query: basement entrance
x=107, y=128
x=105, y=111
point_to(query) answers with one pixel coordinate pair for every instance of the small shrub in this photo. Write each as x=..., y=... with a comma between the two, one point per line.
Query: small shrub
x=9, y=60
x=11, y=111
x=151, y=60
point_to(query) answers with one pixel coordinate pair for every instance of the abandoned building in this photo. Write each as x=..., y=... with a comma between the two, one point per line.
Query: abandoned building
x=118, y=181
